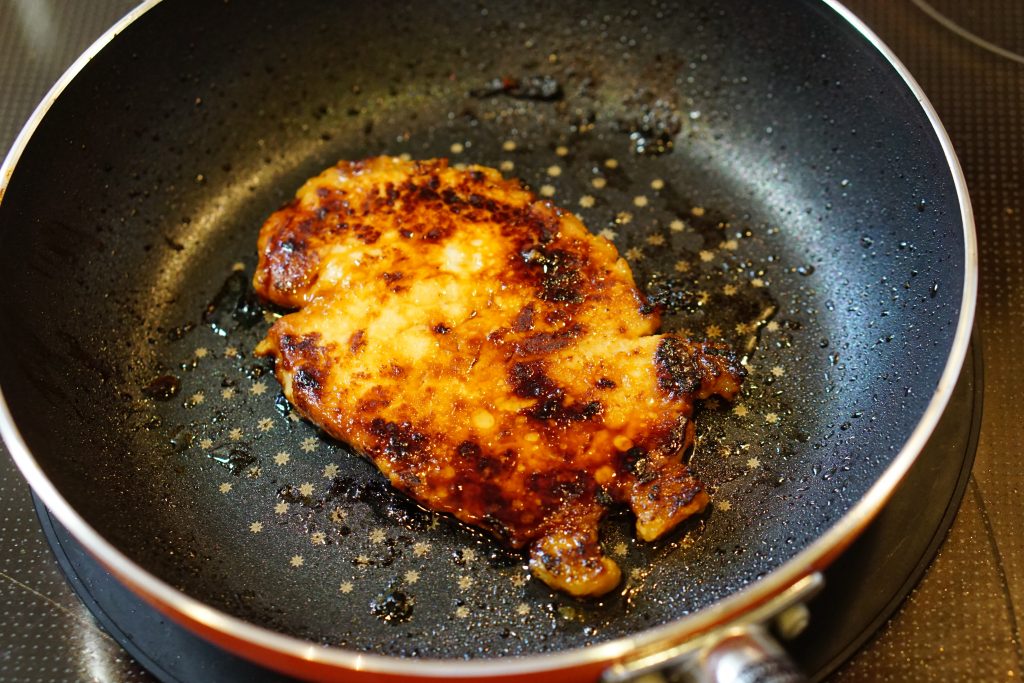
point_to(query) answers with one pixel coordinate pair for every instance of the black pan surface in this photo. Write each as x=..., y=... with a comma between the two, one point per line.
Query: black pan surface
x=769, y=176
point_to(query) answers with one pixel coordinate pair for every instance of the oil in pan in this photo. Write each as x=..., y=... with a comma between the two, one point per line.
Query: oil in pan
x=345, y=560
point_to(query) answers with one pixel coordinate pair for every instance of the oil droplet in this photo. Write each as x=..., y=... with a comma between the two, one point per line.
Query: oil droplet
x=180, y=331
x=255, y=371
x=233, y=458
x=181, y=440
x=163, y=388
x=282, y=405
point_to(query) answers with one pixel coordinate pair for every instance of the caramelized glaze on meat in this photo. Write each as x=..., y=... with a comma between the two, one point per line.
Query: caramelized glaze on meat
x=491, y=356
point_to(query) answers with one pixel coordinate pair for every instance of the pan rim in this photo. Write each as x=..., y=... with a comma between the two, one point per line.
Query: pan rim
x=815, y=556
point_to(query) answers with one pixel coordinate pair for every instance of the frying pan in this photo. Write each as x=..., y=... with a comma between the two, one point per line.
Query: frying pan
x=773, y=174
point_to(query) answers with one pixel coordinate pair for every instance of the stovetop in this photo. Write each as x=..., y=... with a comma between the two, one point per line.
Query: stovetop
x=961, y=621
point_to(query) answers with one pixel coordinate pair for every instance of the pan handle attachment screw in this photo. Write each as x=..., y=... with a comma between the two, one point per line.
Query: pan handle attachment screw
x=792, y=621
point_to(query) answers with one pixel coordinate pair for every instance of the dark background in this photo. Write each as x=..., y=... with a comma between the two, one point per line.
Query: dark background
x=961, y=621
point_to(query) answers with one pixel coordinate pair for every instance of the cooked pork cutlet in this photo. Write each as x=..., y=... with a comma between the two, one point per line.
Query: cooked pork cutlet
x=491, y=356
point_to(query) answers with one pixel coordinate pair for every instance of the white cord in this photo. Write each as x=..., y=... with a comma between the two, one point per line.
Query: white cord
x=965, y=34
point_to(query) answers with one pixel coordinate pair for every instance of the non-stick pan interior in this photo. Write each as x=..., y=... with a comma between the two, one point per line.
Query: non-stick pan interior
x=769, y=176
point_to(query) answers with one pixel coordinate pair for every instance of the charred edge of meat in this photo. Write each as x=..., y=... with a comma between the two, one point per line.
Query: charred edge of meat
x=291, y=261
x=463, y=202
x=311, y=363
x=675, y=493
x=647, y=305
x=677, y=369
x=682, y=369
x=397, y=439
x=727, y=359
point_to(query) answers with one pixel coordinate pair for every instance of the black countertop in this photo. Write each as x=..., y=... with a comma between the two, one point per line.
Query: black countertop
x=962, y=620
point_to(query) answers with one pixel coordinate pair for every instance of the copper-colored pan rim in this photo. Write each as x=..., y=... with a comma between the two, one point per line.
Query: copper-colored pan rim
x=279, y=650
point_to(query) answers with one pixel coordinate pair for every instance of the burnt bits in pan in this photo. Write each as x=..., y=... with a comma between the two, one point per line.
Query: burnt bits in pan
x=337, y=533
x=337, y=540
x=540, y=88
x=234, y=305
x=652, y=123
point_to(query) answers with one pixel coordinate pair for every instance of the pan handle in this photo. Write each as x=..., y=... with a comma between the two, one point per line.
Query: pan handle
x=751, y=655
x=744, y=651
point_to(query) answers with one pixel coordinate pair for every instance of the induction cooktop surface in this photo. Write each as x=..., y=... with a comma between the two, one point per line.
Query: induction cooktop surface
x=954, y=599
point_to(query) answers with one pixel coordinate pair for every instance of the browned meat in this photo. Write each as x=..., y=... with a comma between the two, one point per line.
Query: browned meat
x=491, y=356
